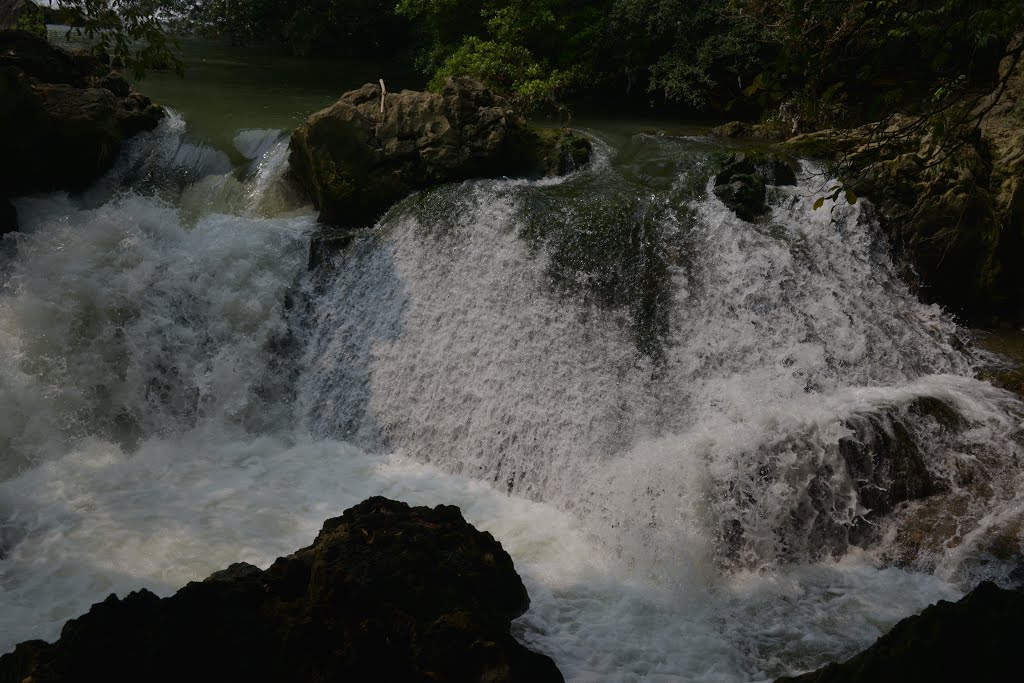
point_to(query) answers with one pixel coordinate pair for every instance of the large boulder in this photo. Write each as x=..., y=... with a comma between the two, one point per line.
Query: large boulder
x=63, y=116
x=741, y=184
x=385, y=593
x=976, y=639
x=361, y=155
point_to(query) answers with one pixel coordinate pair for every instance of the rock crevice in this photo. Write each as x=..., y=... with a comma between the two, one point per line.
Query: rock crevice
x=63, y=116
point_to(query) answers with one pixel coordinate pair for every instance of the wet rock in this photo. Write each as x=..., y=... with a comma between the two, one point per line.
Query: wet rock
x=975, y=639
x=744, y=193
x=385, y=593
x=63, y=116
x=8, y=216
x=740, y=129
x=741, y=184
x=356, y=159
x=886, y=466
x=773, y=167
x=952, y=206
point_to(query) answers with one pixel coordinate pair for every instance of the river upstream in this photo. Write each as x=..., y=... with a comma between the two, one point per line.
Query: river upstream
x=649, y=402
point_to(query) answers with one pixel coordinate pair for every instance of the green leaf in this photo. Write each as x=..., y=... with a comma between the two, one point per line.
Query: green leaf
x=851, y=197
x=818, y=204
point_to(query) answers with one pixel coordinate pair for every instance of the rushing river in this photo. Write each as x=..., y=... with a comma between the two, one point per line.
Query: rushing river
x=640, y=395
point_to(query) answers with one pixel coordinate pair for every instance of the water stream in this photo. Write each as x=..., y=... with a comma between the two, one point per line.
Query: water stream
x=649, y=402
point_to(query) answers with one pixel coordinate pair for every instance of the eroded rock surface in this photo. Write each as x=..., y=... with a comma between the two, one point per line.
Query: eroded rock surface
x=954, y=212
x=741, y=184
x=385, y=593
x=63, y=116
x=355, y=159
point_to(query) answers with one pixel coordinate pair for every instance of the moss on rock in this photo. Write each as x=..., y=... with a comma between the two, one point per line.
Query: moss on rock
x=366, y=152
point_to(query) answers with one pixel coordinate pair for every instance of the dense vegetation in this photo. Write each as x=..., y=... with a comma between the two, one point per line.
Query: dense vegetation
x=831, y=60
x=826, y=61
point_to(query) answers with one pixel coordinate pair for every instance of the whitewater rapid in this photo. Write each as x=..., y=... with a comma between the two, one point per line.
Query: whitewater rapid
x=180, y=392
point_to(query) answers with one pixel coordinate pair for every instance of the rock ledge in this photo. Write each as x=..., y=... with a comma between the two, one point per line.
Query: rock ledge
x=385, y=593
x=355, y=159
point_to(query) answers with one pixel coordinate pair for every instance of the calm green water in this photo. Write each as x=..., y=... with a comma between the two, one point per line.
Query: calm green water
x=227, y=89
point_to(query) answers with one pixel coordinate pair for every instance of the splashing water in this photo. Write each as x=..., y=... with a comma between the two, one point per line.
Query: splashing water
x=717, y=451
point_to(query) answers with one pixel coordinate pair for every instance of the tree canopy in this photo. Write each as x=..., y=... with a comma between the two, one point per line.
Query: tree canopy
x=132, y=32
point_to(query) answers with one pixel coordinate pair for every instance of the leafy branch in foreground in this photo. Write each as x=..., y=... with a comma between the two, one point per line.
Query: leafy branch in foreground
x=127, y=31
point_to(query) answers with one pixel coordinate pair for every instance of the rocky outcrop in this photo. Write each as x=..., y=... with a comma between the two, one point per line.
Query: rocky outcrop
x=63, y=116
x=385, y=593
x=975, y=639
x=8, y=217
x=953, y=208
x=743, y=130
x=364, y=153
x=741, y=184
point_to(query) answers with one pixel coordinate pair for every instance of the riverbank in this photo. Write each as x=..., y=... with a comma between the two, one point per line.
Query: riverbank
x=652, y=404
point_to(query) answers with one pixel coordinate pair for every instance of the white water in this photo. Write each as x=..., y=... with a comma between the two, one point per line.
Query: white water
x=178, y=394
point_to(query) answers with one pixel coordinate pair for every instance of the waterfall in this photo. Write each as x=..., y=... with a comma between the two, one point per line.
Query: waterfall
x=695, y=435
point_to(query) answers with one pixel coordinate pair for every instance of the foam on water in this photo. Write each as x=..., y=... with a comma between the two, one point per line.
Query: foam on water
x=179, y=393
x=99, y=520
x=118, y=321
x=781, y=336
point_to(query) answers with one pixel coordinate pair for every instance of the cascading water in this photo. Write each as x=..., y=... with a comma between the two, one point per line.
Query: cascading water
x=717, y=451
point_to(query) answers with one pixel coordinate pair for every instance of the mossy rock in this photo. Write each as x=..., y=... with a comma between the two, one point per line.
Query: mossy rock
x=367, y=151
x=386, y=592
x=63, y=116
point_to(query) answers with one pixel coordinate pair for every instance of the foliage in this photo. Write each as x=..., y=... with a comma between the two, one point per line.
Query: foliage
x=530, y=50
x=843, y=62
x=129, y=31
x=697, y=52
x=309, y=28
x=506, y=68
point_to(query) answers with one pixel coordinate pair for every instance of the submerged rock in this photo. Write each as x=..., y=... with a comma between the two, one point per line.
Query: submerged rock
x=385, y=593
x=364, y=153
x=63, y=116
x=975, y=639
x=741, y=184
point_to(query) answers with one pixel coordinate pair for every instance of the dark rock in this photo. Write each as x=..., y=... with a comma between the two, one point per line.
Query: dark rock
x=775, y=168
x=8, y=216
x=355, y=161
x=751, y=131
x=744, y=193
x=63, y=116
x=741, y=184
x=953, y=207
x=325, y=243
x=886, y=465
x=975, y=639
x=385, y=593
